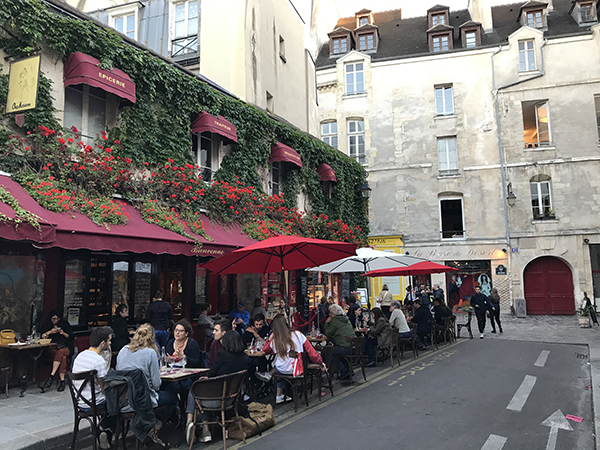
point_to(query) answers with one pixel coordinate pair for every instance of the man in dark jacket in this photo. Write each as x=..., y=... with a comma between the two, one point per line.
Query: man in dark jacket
x=352, y=307
x=440, y=311
x=421, y=318
x=481, y=304
x=438, y=293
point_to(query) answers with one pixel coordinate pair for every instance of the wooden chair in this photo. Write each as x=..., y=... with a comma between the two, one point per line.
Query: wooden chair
x=314, y=370
x=449, y=333
x=94, y=415
x=433, y=334
x=412, y=341
x=5, y=372
x=394, y=345
x=466, y=325
x=216, y=396
x=356, y=355
x=295, y=382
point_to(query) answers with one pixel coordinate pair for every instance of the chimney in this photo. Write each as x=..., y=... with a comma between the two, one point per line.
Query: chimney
x=481, y=11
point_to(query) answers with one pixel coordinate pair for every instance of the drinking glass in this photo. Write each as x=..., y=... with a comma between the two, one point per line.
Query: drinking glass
x=183, y=362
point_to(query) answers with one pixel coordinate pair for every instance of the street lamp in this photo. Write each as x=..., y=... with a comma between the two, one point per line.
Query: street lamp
x=365, y=190
x=511, y=198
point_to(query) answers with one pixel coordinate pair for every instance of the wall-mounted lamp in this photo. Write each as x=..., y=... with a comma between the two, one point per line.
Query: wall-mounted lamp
x=504, y=250
x=365, y=190
x=511, y=198
x=586, y=241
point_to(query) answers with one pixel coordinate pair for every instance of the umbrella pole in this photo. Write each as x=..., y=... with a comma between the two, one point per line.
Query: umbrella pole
x=368, y=290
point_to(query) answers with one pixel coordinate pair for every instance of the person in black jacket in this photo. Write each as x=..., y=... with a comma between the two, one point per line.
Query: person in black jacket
x=119, y=325
x=61, y=333
x=481, y=305
x=160, y=316
x=184, y=345
x=421, y=318
x=352, y=307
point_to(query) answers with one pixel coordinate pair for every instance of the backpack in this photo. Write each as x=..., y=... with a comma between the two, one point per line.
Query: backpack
x=261, y=418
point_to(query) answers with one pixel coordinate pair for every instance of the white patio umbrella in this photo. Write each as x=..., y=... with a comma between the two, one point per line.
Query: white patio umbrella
x=367, y=259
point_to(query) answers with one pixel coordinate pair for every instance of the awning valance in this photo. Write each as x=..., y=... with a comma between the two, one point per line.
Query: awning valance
x=81, y=68
x=282, y=152
x=205, y=122
x=326, y=172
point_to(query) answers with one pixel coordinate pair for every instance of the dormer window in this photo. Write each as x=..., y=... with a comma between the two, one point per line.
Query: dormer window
x=470, y=34
x=363, y=17
x=366, y=41
x=533, y=14
x=438, y=15
x=437, y=19
x=534, y=19
x=584, y=12
x=363, y=21
x=340, y=41
x=440, y=43
x=340, y=45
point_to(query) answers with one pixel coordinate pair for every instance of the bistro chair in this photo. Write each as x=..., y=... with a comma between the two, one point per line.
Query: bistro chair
x=449, y=333
x=94, y=415
x=412, y=341
x=295, y=382
x=433, y=334
x=216, y=396
x=394, y=345
x=356, y=356
x=5, y=373
x=314, y=370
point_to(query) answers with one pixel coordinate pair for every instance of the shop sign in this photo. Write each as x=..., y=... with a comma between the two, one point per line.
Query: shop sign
x=23, y=85
x=501, y=270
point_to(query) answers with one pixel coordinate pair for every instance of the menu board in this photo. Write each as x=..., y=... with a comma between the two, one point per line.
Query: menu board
x=120, y=276
x=345, y=285
x=143, y=289
x=74, y=286
x=98, y=289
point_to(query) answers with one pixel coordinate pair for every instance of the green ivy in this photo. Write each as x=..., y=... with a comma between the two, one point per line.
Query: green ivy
x=157, y=127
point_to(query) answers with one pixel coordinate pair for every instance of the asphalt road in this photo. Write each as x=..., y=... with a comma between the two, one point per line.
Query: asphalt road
x=455, y=398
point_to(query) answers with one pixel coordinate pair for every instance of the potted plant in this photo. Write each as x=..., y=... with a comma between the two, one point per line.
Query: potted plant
x=584, y=317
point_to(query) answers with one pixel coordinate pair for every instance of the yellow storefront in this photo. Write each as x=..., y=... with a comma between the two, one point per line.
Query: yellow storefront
x=396, y=285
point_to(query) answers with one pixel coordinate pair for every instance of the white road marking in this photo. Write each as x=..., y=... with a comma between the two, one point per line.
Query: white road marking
x=494, y=442
x=556, y=421
x=541, y=361
x=520, y=397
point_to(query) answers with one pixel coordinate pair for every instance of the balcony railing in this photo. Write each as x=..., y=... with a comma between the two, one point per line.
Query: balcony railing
x=184, y=45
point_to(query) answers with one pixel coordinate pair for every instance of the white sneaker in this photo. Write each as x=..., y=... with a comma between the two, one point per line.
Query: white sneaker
x=188, y=432
x=205, y=438
x=283, y=399
x=104, y=440
x=264, y=376
x=481, y=336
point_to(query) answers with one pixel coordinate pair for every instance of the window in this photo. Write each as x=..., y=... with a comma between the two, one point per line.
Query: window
x=203, y=149
x=340, y=45
x=355, y=78
x=541, y=198
x=126, y=25
x=440, y=43
x=444, y=105
x=586, y=13
x=363, y=21
x=437, y=19
x=597, y=105
x=451, y=218
x=470, y=39
x=282, y=49
x=526, y=56
x=329, y=133
x=275, y=178
x=366, y=42
x=536, y=124
x=447, y=155
x=85, y=109
x=534, y=19
x=356, y=140
x=185, y=36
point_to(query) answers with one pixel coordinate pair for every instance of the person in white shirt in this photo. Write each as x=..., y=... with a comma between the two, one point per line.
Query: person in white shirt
x=90, y=359
x=398, y=320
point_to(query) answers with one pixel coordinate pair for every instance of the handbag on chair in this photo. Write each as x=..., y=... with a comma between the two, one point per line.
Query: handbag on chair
x=7, y=337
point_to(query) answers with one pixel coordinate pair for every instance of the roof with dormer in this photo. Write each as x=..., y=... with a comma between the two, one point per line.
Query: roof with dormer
x=440, y=28
x=362, y=11
x=437, y=8
x=470, y=23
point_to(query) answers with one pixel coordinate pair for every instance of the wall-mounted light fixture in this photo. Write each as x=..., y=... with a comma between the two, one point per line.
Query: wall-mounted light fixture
x=511, y=198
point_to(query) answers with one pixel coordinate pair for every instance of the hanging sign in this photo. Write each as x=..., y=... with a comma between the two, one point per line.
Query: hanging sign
x=23, y=85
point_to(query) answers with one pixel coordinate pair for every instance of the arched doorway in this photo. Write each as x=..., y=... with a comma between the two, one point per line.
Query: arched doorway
x=549, y=287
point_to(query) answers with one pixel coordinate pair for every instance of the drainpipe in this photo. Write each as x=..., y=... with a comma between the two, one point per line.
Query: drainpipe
x=501, y=149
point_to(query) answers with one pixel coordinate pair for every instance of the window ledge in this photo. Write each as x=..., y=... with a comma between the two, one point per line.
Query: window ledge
x=450, y=174
x=444, y=116
x=539, y=149
x=357, y=95
x=544, y=219
x=462, y=238
x=528, y=73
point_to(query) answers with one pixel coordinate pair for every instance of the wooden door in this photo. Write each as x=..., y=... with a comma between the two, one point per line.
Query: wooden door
x=549, y=287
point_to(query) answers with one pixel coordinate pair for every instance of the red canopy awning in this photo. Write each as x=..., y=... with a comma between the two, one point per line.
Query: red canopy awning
x=205, y=122
x=420, y=268
x=74, y=231
x=326, y=172
x=282, y=152
x=81, y=68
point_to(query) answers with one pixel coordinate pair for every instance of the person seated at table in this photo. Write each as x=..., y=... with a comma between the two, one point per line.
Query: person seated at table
x=378, y=335
x=352, y=307
x=119, y=325
x=204, y=321
x=61, y=334
x=184, y=345
x=240, y=317
x=258, y=308
x=322, y=313
x=398, y=320
x=257, y=331
x=361, y=320
x=221, y=327
x=421, y=318
x=339, y=330
x=142, y=354
x=230, y=359
x=90, y=359
x=287, y=345
x=440, y=312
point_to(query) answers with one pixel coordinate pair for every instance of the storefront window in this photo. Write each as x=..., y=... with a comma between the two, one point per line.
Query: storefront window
x=98, y=305
x=461, y=284
x=74, y=291
x=120, y=277
x=143, y=289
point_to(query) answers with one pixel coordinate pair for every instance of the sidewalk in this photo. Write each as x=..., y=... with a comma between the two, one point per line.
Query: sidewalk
x=45, y=421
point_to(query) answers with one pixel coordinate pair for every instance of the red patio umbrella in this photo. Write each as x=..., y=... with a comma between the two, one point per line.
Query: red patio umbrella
x=420, y=268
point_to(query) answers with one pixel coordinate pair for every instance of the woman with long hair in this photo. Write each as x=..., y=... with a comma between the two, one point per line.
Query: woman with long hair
x=287, y=345
x=495, y=310
x=61, y=334
x=119, y=325
x=378, y=335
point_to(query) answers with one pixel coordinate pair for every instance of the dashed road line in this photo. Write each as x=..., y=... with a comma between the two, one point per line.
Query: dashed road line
x=494, y=442
x=541, y=361
x=520, y=397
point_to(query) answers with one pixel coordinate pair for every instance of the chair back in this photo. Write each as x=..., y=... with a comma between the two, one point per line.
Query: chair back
x=357, y=346
x=218, y=393
x=87, y=378
x=394, y=337
x=326, y=354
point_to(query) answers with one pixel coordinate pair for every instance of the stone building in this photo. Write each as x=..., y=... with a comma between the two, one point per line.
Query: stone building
x=477, y=129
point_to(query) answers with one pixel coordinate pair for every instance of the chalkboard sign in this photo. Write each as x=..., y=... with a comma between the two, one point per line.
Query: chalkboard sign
x=325, y=278
x=345, y=285
x=143, y=289
x=303, y=292
x=501, y=270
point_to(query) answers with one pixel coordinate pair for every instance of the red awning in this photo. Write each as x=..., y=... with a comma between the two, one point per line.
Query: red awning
x=74, y=231
x=326, y=172
x=23, y=231
x=282, y=152
x=205, y=122
x=81, y=68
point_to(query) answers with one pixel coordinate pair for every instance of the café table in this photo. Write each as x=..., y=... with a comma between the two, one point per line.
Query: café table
x=27, y=372
x=180, y=374
x=466, y=325
x=361, y=331
x=318, y=339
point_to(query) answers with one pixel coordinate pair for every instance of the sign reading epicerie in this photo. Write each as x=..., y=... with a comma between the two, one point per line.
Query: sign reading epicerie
x=23, y=85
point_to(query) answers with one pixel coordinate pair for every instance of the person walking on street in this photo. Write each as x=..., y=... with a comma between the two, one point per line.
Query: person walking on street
x=385, y=300
x=494, y=299
x=160, y=316
x=480, y=304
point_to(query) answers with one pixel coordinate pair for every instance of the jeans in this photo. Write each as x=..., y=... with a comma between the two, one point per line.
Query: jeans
x=480, y=320
x=369, y=348
x=339, y=363
x=405, y=335
x=108, y=423
x=161, y=337
x=495, y=315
